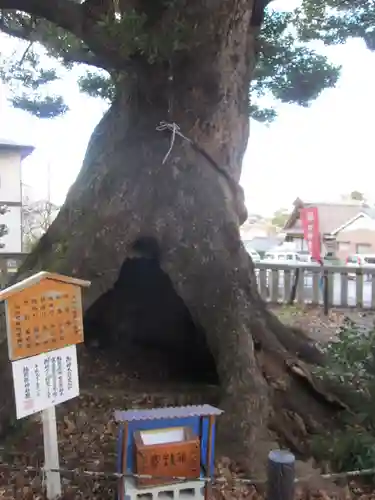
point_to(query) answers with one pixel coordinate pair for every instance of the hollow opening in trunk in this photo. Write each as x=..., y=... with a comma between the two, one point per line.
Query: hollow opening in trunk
x=145, y=323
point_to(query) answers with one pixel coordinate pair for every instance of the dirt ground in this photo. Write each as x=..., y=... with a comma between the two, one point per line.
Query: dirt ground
x=87, y=431
x=323, y=328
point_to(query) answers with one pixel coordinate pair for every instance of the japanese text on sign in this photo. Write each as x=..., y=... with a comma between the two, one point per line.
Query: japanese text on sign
x=45, y=380
x=42, y=318
x=164, y=460
x=311, y=232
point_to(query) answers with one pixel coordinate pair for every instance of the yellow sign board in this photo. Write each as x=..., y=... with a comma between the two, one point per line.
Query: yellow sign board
x=43, y=315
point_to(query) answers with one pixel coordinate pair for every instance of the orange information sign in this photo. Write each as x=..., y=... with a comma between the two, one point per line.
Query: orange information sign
x=43, y=313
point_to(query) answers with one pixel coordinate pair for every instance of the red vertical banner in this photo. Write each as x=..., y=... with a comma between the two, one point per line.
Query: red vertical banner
x=311, y=232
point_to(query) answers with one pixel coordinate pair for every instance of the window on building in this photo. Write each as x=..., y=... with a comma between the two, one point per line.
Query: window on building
x=343, y=246
x=363, y=248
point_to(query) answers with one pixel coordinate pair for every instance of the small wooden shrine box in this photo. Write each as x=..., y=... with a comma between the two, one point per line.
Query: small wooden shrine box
x=43, y=313
x=166, y=454
x=170, y=444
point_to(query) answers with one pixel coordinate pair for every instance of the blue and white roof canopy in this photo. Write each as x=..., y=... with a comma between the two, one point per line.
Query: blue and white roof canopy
x=167, y=413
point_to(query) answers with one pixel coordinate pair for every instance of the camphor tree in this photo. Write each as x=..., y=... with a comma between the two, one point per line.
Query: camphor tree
x=153, y=218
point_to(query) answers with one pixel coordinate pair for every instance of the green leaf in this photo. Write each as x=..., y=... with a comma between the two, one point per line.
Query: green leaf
x=97, y=84
x=42, y=107
x=287, y=70
x=334, y=21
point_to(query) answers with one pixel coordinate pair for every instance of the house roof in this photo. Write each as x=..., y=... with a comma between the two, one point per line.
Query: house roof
x=37, y=278
x=167, y=413
x=23, y=149
x=370, y=212
x=331, y=215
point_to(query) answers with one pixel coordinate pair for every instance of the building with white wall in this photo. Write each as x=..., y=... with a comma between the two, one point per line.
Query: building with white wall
x=11, y=157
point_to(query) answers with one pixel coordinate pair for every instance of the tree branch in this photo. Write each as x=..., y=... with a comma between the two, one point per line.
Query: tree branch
x=257, y=15
x=76, y=55
x=69, y=16
x=17, y=33
x=85, y=57
x=66, y=14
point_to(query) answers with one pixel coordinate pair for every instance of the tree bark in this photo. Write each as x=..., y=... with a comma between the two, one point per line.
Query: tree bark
x=130, y=189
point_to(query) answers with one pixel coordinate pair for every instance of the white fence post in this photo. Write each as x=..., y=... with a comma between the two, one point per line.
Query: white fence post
x=275, y=277
x=51, y=453
x=344, y=289
x=359, y=289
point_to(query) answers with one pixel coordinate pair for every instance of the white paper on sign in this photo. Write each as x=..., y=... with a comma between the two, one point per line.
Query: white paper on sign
x=45, y=380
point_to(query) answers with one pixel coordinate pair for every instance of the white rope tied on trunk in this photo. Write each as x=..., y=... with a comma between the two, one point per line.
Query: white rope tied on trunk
x=175, y=130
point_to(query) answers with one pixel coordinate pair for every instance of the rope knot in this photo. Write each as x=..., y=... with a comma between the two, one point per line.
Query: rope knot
x=175, y=130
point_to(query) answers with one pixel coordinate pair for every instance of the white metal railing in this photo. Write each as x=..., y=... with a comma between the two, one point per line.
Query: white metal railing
x=347, y=286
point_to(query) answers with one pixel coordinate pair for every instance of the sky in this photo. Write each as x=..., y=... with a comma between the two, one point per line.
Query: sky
x=316, y=153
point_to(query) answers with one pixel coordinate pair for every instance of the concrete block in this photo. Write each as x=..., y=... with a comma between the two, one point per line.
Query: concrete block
x=187, y=490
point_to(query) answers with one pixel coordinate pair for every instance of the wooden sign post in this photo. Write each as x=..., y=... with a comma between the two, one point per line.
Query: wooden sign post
x=51, y=453
x=44, y=324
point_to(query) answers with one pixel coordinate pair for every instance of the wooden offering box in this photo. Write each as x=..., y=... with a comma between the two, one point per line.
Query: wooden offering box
x=168, y=445
x=166, y=454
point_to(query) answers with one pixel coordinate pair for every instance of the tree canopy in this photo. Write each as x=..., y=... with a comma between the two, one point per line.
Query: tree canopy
x=354, y=196
x=105, y=38
x=37, y=217
x=280, y=217
x=357, y=195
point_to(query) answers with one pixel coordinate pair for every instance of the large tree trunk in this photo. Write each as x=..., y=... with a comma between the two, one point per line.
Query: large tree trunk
x=183, y=216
